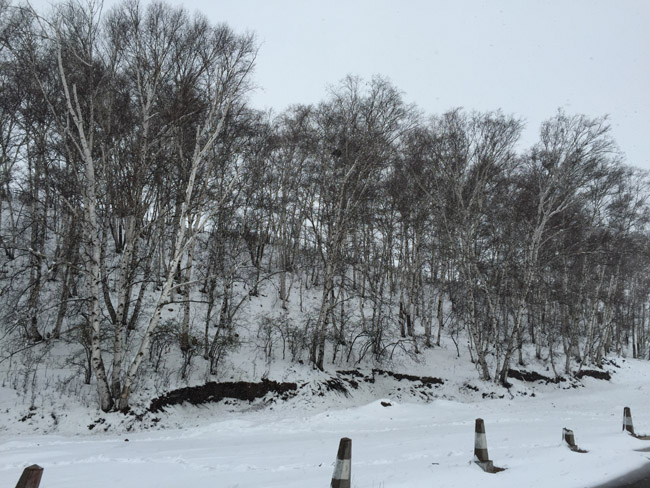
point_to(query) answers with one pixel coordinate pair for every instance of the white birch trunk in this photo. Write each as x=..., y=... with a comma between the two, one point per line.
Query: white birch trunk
x=91, y=225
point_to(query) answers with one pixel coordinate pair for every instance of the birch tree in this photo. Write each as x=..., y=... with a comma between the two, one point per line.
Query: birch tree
x=472, y=153
x=358, y=128
x=224, y=61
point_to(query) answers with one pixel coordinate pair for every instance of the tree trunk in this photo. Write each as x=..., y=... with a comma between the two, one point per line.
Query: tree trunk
x=185, y=329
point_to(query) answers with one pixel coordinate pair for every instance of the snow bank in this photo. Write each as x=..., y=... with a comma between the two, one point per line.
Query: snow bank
x=395, y=442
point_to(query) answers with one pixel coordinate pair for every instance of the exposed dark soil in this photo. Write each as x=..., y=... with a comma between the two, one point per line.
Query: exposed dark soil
x=352, y=372
x=214, y=392
x=594, y=373
x=612, y=362
x=342, y=383
x=32, y=412
x=425, y=380
x=532, y=376
x=335, y=384
x=492, y=395
x=242, y=390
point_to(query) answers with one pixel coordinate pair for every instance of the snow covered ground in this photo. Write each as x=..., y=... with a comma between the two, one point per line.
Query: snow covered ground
x=293, y=444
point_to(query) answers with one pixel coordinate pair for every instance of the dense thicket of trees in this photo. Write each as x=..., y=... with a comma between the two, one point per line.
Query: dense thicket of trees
x=134, y=175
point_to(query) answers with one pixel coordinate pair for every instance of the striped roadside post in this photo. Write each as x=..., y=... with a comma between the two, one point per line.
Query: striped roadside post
x=480, y=448
x=480, y=442
x=568, y=437
x=343, y=469
x=31, y=477
x=627, y=420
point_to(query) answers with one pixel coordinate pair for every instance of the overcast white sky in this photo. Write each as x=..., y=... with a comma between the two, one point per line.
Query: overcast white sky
x=526, y=57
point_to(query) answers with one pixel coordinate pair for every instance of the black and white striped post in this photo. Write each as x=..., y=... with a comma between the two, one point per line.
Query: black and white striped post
x=480, y=448
x=627, y=420
x=480, y=442
x=343, y=469
x=569, y=438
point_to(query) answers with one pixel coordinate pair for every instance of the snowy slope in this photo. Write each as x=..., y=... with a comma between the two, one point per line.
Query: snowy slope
x=293, y=444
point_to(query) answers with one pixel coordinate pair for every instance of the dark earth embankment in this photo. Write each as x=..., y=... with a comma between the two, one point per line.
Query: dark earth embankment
x=214, y=392
x=342, y=383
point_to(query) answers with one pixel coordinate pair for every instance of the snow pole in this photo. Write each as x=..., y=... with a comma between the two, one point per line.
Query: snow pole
x=627, y=425
x=480, y=442
x=569, y=438
x=480, y=449
x=31, y=477
x=343, y=468
x=627, y=420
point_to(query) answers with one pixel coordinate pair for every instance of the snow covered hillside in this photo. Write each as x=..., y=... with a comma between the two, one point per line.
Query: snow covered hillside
x=402, y=439
x=194, y=290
